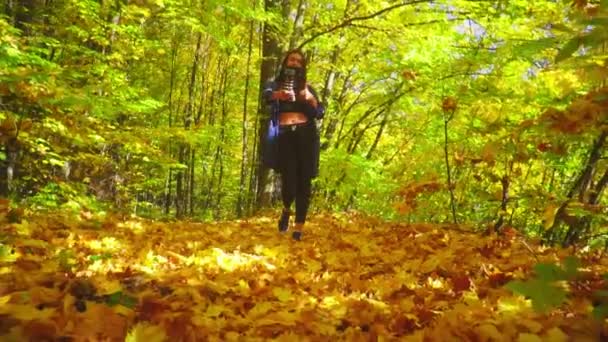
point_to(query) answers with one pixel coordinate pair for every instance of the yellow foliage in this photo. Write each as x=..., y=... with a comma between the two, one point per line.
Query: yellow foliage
x=143, y=332
x=352, y=278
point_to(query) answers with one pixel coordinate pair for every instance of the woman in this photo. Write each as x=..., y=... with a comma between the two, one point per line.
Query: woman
x=297, y=106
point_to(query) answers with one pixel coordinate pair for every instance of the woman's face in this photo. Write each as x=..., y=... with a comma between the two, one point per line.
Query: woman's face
x=294, y=60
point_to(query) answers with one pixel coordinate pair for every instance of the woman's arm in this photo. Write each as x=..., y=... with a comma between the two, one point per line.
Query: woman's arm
x=270, y=93
x=316, y=107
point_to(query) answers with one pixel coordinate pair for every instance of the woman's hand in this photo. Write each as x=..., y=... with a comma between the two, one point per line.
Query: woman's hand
x=307, y=96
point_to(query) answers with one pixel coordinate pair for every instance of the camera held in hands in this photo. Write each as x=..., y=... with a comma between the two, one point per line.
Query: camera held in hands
x=289, y=83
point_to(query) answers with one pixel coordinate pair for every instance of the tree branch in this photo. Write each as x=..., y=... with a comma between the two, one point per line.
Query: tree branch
x=349, y=21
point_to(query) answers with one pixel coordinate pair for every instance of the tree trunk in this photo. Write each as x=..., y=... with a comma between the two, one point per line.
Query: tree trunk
x=179, y=187
x=325, y=95
x=503, y=203
x=183, y=191
x=378, y=135
x=244, y=153
x=270, y=57
x=191, y=183
x=447, y=120
x=330, y=80
x=298, y=24
x=596, y=194
x=168, y=187
x=9, y=166
x=220, y=148
x=551, y=234
x=23, y=12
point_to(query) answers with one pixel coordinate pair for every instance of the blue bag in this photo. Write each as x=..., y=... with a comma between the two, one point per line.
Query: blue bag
x=270, y=153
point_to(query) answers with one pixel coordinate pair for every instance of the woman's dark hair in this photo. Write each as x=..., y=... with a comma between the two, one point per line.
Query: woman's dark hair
x=300, y=74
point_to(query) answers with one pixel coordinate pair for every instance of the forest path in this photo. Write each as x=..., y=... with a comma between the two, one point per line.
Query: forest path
x=350, y=278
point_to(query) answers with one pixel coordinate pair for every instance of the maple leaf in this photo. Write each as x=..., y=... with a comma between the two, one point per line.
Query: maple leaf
x=448, y=104
x=281, y=318
x=26, y=312
x=100, y=320
x=282, y=294
x=543, y=294
x=143, y=332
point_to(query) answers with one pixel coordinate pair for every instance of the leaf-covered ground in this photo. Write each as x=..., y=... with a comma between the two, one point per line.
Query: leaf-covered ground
x=351, y=278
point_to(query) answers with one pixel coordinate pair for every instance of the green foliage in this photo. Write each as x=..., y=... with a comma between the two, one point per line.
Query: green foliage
x=96, y=257
x=66, y=196
x=66, y=259
x=547, y=288
x=114, y=103
x=351, y=181
x=119, y=298
x=543, y=293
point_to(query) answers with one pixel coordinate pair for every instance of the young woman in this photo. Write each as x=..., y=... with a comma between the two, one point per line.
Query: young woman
x=298, y=107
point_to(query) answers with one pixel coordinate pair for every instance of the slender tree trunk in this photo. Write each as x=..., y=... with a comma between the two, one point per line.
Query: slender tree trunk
x=188, y=122
x=330, y=80
x=9, y=166
x=220, y=148
x=168, y=187
x=298, y=24
x=254, y=167
x=596, y=194
x=244, y=153
x=447, y=120
x=192, y=182
x=551, y=234
x=503, y=203
x=344, y=114
x=378, y=135
x=179, y=188
x=325, y=95
x=183, y=176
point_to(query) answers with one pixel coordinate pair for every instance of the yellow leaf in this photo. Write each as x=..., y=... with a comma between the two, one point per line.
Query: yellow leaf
x=39, y=294
x=25, y=312
x=555, y=335
x=523, y=337
x=513, y=304
x=123, y=310
x=281, y=318
x=489, y=332
x=549, y=216
x=430, y=264
x=146, y=333
x=33, y=243
x=334, y=305
x=488, y=154
x=282, y=294
x=533, y=326
x=99, y=319
x=214, y=310
x=259, y=309
x=107, y=286
x=232, y=336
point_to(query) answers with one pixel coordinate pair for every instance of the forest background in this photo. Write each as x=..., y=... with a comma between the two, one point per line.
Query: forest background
x=133, y=204
x=490, y=114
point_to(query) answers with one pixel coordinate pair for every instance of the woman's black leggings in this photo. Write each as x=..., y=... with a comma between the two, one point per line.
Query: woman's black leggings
x=296, y=153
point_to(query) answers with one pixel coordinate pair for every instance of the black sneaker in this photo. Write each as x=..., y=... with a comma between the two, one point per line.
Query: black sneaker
x=284, y=221
x=296, y=235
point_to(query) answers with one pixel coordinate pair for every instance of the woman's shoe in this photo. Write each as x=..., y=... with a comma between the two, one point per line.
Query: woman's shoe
x=297, y=235
x=284, y=221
